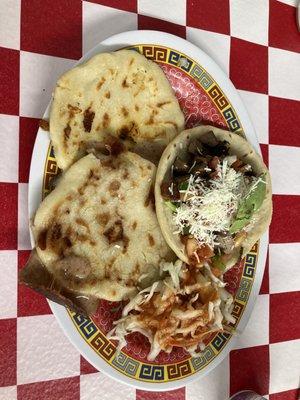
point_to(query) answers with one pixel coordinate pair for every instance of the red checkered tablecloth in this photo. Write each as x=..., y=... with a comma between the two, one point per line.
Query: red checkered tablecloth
x=257, y=44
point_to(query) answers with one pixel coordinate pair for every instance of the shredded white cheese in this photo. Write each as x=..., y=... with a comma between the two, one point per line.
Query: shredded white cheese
x=210, y=207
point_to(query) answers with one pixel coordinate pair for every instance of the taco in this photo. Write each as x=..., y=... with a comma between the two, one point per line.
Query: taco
x=213, y=197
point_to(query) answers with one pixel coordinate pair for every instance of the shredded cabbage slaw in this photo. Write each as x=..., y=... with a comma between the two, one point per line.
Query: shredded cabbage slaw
x=178, y=310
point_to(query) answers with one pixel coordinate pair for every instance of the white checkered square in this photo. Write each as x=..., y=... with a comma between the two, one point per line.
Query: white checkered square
x=44, y=352
x=290, y=2
x=258, y=108
x=99, y=386
x=284, y=267
x=284, y=163
x=10, y=21
x=215, y=385
x=256, y=332
x=9, y=148
x=23, y=218
x=284, y=366
x=100, y=22
x=38, y=76
x=8, y=393
x=170, y=10
x=9, y=279
x=249, y=20
x=216, y=45
x=284, y=67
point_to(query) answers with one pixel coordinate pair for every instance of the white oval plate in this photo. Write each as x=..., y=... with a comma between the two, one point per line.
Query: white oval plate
x=199, y=367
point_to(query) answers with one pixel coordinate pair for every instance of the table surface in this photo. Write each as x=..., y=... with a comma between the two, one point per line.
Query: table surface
x=257, y=44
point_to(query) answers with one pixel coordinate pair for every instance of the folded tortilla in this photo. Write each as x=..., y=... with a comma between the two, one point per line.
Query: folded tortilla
x=246, y=153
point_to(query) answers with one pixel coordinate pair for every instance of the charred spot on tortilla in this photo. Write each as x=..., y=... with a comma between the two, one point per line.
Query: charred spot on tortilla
x=163, y=103
x=44, y=124
x=125, y=243
x=124, y=83
x=113, y=187
x=67, y=132
x=42, y=239
x=107, y=94
x=100, y=83
x=67, y=242
x=105, y=120
x=55, y=232
x=125, y=174
x=88, y=118
x=151, y=240
x=124, y=132
x=80, y=221
x=116, y=147
x=150, y=120
x=124, y=111
x=150, y=199
x=103, y=218
x=73, y=110
x=82, y=238
x=115, y=232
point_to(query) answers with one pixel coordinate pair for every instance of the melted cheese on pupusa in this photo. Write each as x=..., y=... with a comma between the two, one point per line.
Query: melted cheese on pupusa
x=209, y=207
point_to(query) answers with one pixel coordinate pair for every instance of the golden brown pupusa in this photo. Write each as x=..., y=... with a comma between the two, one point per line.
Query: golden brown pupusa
x=97, y=232
x=121, y=94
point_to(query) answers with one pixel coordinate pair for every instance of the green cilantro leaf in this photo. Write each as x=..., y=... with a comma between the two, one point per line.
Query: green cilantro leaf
x=183, y=186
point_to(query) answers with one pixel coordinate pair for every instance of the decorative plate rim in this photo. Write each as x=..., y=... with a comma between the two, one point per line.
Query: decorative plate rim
x=131, y=39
